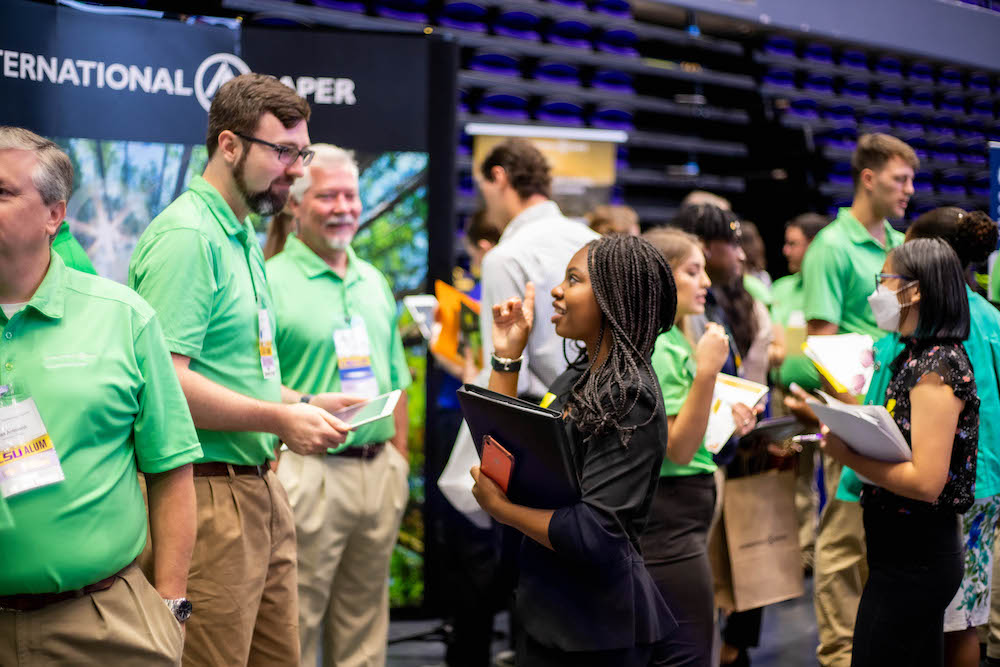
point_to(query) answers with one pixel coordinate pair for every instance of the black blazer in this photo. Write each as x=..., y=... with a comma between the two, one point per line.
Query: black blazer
x=593, y=593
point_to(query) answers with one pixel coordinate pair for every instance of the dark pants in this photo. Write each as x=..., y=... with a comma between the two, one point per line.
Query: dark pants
x=675, y=548
x=532, y=654
x=915, y=568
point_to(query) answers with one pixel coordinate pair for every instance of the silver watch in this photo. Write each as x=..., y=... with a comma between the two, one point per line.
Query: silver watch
x=181, y=608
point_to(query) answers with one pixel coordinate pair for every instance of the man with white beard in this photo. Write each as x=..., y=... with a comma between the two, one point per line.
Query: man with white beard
x=337, y=332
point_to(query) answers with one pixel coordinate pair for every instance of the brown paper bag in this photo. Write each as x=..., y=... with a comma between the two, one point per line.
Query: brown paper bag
x=755, y=553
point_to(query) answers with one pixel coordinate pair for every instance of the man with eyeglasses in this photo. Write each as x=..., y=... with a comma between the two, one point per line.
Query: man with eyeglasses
x=199, y=264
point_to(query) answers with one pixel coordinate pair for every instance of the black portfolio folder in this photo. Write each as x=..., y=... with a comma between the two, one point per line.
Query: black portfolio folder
x=536, y=437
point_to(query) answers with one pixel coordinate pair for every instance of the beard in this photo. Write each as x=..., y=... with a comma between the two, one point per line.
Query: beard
x=340, y=244
x=266, y=202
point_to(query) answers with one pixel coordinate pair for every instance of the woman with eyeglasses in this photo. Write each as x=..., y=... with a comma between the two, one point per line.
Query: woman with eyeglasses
x=912, y=510
x=972, y=235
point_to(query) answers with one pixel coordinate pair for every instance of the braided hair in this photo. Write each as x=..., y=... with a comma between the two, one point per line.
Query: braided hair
x=634, y=289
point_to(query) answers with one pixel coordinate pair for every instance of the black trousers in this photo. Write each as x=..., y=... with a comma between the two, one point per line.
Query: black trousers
x=675, y=548
x=530, y=653
x=915, y=567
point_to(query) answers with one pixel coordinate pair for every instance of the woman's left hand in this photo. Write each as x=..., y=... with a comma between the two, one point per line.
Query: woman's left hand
x=745, y=418
x=487, y=493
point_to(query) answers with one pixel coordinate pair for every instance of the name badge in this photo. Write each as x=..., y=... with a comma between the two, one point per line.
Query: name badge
x=354, y=359
x=265, y=342
x=27, y=458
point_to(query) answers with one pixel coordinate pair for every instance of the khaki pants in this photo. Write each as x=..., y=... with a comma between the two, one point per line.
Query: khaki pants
x=126, y=625
x=840, y=572
x=242, y=580
x=347, y=515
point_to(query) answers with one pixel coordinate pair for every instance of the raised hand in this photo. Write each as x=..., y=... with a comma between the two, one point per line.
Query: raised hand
x=512, y=323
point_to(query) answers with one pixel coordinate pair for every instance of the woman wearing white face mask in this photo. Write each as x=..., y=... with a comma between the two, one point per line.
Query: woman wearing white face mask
x=912, y=509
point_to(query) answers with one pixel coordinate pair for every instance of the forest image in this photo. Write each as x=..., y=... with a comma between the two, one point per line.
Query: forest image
x=121, y=186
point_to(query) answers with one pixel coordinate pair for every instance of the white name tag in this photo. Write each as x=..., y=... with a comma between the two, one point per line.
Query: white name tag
x=265, y=342
x=354, y=359
x=27, y=458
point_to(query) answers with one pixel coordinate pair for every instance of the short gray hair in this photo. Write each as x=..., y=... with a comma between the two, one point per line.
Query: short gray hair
x=327, y=156
x=53, y=176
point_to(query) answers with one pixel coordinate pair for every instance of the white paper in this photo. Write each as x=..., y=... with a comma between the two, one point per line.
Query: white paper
x=729, y=390
x=847, y=358
x=456, y=483
x=867, y=429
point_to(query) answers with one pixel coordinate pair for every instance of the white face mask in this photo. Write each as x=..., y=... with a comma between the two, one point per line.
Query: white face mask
x=886, y=307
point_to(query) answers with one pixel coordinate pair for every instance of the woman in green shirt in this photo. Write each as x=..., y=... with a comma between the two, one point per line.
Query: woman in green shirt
x=674, y=544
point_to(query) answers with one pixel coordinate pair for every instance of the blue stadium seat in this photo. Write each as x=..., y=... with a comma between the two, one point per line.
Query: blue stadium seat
x=402, y=10
x=889, y=66
x=779, y=77
x=841, y=115
x=620, y=8
x=854, y=59
x=921, y=72
x=507, y=105
x=494, y=62
x=557, y=72
x=818, y=53
x=618, y=42
x=614, y=80
x=463, y=16
x=519, y=25
x=610, y=118
x=562, y=113
x=779, y=46
x=950, y=76
x=574, y=34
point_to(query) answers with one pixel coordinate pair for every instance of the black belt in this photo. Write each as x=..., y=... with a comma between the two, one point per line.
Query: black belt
x=366, y=452
x=217, y=469
x=36, y=601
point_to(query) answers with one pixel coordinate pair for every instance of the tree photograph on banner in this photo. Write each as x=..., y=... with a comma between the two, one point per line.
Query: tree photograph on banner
x=121, y=186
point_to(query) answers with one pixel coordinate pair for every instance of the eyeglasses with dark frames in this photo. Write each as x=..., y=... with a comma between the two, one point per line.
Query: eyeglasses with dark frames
x=287, y=155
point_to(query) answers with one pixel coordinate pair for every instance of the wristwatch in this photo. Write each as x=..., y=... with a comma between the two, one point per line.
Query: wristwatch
x=181, y=608
x=504, y=365
x=305, y=398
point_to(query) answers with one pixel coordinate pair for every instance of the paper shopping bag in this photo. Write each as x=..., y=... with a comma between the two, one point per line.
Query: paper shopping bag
x=761, y=540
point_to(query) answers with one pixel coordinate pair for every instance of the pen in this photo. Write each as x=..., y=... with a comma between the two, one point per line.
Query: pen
x=809, y=437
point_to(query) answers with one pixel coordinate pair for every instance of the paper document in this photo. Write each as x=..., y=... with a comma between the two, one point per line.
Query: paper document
x=867, y=429
x=845, y=360
x=729, y=390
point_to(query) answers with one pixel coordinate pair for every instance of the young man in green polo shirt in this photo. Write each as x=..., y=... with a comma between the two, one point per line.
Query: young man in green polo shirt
x=838, y=275
x=337, y=331
x=87, y=398
x=200, y=266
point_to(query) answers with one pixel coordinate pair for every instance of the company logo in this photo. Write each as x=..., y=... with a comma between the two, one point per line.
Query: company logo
x=224, y=65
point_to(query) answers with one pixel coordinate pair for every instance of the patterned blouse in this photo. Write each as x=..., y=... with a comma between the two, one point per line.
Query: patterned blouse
x=949, y=360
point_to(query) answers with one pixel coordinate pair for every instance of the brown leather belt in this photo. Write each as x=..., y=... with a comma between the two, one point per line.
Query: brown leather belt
x=36, y=601
x=366, y=452
x=216, y=469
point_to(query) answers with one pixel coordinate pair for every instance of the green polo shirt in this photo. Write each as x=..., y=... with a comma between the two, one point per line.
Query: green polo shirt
x=839, y=270
x=788, y=297
x=673, y=362
x=312, y=302
x=91, y=354
x=203, y=272
x=71, y=251
x=983, y=348
x=6, y=518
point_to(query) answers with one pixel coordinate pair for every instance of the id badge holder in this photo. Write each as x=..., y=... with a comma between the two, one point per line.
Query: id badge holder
x=354, y=359
x=265, y=343
x=27, y=458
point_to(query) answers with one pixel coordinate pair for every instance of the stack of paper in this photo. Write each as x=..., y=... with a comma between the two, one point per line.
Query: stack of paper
x=729, y=390
x=845, y=360
x=867, y=429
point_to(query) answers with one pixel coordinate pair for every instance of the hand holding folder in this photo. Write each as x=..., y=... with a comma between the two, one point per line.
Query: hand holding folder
x=867, y=429
x=534, y=437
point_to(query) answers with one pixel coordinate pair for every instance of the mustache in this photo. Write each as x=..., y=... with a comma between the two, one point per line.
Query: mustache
x=340, y=220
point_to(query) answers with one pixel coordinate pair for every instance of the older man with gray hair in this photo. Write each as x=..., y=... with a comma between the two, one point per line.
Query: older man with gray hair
x=88, y=398
x=337, y=331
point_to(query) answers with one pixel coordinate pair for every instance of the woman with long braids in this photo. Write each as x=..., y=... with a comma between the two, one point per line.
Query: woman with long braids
x=584, y=594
